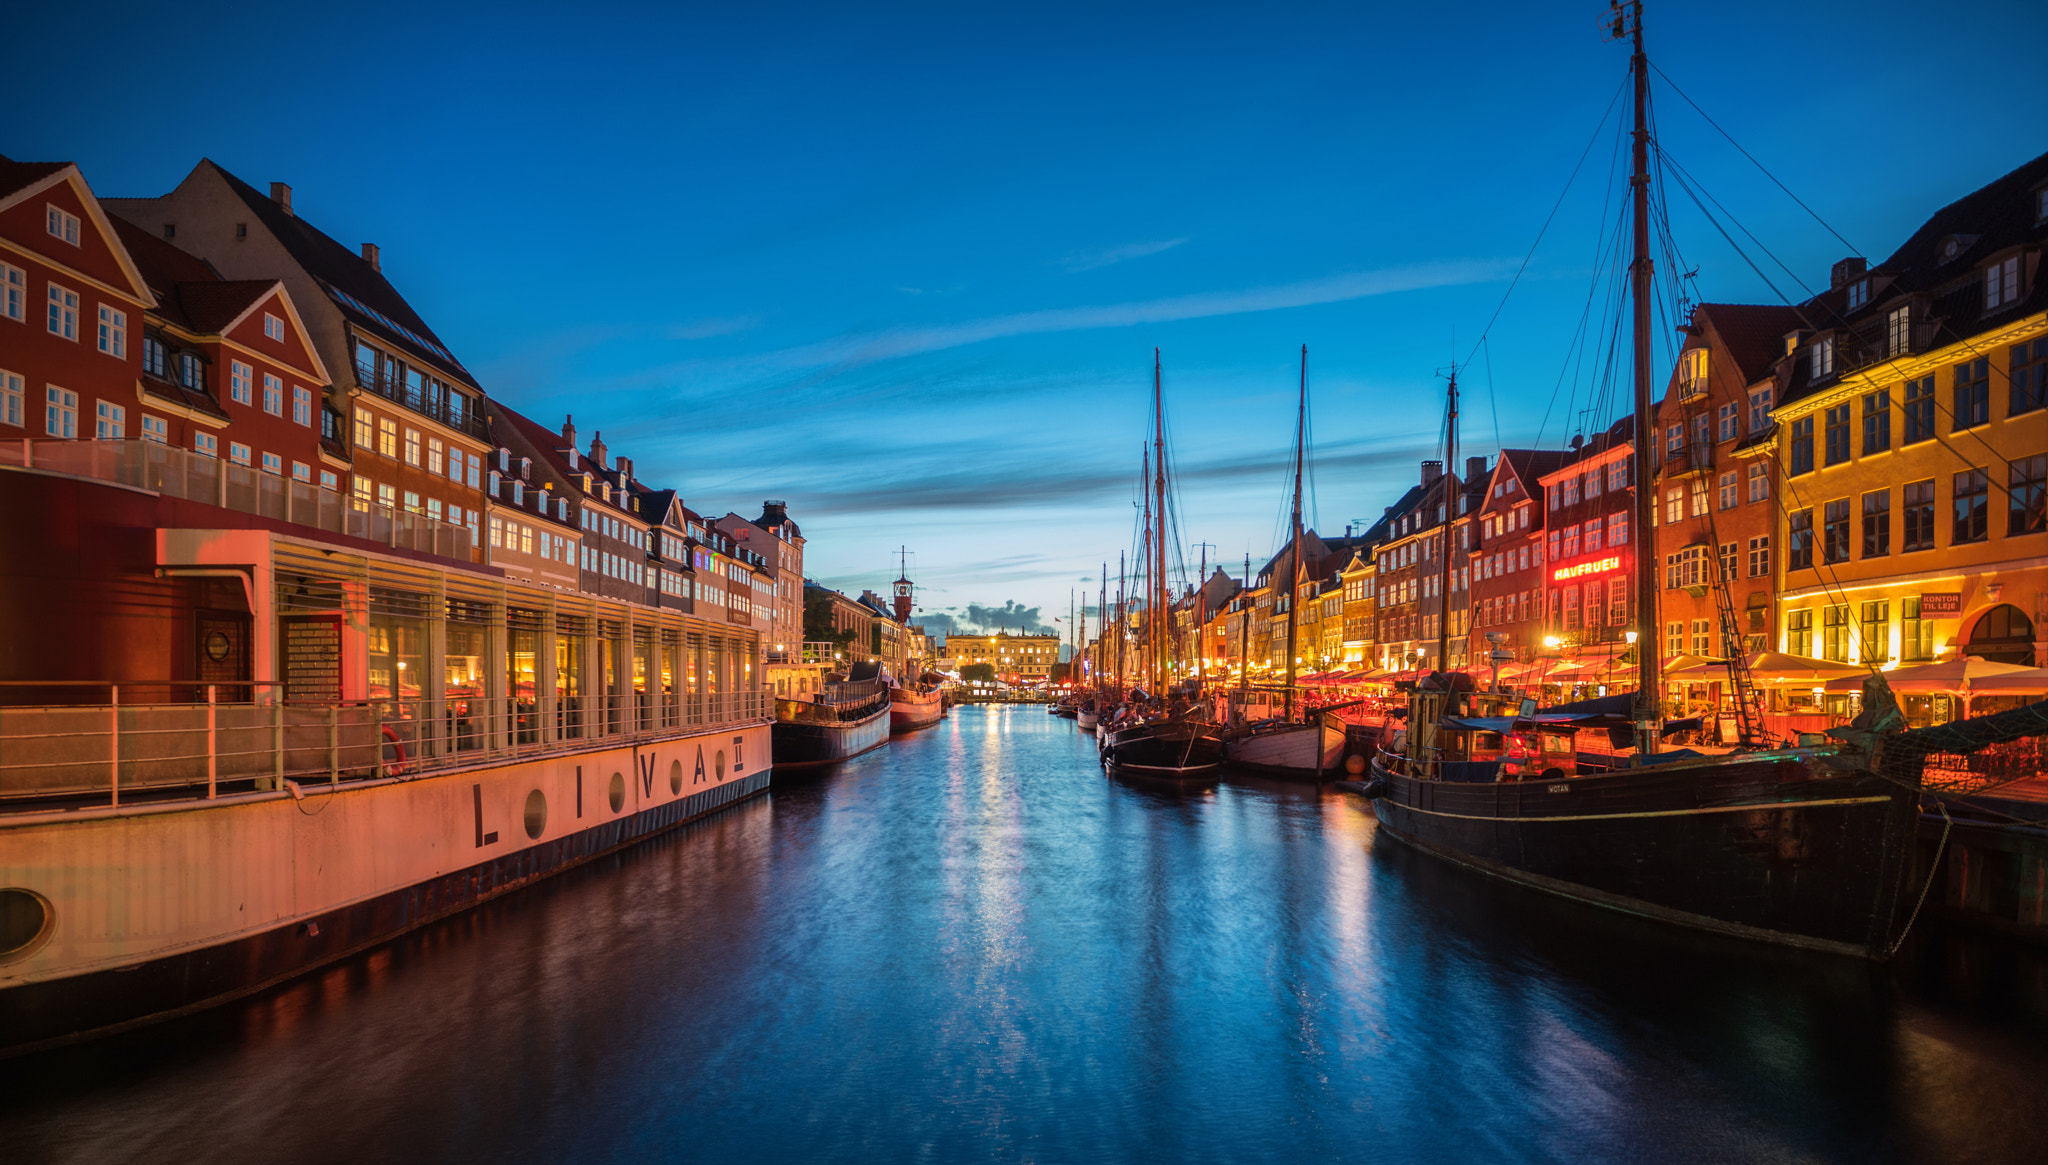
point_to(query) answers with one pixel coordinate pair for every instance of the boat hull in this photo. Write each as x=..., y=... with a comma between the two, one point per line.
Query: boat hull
x=812, y=744
x=1766, y=848
x=1302, y=752
x=269, y=887
x=1085, y=721
x=910, y=711
x=1168, y=755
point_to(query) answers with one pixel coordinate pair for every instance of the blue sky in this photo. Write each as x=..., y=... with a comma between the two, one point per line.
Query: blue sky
x=905, y=266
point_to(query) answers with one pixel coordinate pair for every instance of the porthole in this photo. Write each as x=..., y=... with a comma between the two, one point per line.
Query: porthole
x=719, y=762
x=618, y=792
x=536, y=814
x=675, y=776
x=25, y=921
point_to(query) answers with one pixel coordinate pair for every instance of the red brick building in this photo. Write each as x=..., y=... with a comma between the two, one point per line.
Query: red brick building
x=1508, y=580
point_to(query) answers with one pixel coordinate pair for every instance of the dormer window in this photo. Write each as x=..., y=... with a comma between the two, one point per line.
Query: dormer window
x=1954, y=245
x=1824, y=358
x=504, y=460
x=2002, y=283
x=1898, y=331
x=1859, y=294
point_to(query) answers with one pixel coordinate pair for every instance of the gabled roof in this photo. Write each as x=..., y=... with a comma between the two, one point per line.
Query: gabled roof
x=22, y=180
x=360, y=290
x=1529, y=465
x=1753, y=333
x=17, y=176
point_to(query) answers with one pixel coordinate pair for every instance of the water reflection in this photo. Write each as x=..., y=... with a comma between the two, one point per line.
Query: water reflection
x=970, y=945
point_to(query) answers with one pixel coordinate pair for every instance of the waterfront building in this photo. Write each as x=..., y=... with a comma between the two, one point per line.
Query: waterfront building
x=72, y=306
x=1410, y=571
x=410, y=413
x=1912, y=438
x=1506, y=564
x=780, y=544
x=1020, y=659
x=1357, y=576
x=1716, y=488
x=1589, y=588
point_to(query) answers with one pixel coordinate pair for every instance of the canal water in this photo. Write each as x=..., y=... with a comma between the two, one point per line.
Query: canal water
x=969, y=946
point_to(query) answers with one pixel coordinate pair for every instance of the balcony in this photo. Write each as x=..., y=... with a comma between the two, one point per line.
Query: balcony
x=1693, y=457
x=464, y=417
x=810, y=651
x=180, y=473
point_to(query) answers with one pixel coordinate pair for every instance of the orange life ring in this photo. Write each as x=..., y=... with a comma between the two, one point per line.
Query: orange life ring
x=398, y=769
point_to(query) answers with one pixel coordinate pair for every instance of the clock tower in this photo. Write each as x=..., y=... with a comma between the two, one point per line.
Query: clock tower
x=903, y=589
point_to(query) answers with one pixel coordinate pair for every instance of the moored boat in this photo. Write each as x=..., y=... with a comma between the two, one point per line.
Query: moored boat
x=1166, y=752
x=915, y=706
x=1312, y=751
x=842, y=722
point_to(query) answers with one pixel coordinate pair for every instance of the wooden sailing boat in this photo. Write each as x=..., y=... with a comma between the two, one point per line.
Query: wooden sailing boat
x=1809, y=847
x=1286, y=748
x=1167, y=748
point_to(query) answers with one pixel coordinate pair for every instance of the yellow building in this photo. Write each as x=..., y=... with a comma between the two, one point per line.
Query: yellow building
x=1912, y=446
x=1018, y=659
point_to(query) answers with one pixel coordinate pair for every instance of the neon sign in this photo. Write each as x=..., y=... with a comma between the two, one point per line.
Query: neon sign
x=1597, y=566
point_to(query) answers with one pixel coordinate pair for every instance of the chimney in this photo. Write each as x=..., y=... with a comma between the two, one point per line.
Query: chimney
x=597, y=449
x=282, y=196
x=625, y=468
x=1475, y=469
x=1846, y=272
x=774, y=513
x=370, y=257
x=1431, y=470
x=568, y=430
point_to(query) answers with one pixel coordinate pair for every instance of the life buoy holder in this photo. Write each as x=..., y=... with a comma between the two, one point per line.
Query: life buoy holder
x=399, y=767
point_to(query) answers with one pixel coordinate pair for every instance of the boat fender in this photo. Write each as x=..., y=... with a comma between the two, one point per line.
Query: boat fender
x=399, y=767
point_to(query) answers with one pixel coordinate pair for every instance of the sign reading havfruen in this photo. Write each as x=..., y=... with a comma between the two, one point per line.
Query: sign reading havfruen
x=1596, y=566
x=1942, y=604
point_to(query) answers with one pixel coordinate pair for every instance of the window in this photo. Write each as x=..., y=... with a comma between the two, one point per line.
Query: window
x=1802, y=446
x=13, y=408
x=1617, y=532
x=1674, y=441
x=60, y=412
x=1617, y=478
x=2029, y=380
x=1835, y=530
x=1674, y=638
x=1834, y=633
x=1684, y=569
x=1823, y=358
x=272, y=463
x=329, y=480
x=1898, y=331
x=387, y=437
x=1760, y=556
x=1571, y=490
x=61, y=223
x=1973, y=394
x=1916, y=635
x=273, y=327
x=1692, y=371
x=1799, y=633
x=1918, y=512
x=1760, y=408
x=302, y=472
x=1858, y=294
x=2002, y=283
x=1726, y=492
x=1617, y=602
x=110, y=421
x=1674, y=507
x=1571, y=541
x=362, y=429
x=241, y=382
x=1571, y=608
x=1877, y=422
x=1702, y=637
x=1801, y=530
x=474, y=466
x=1592, y=483
x=1731, y=560
x=1876, y=631
x=113, y=332
x=273, y=395
x=434, y=448
x=238, y=453
x=206, y=444
x=412, y=446
x=1592, y=536
x=2028, y=492
x=1727, y=423
x=13, y=293
x=1972, y=507
x=1877, y=523
x=387, y=496
x=1759, y=481
x=362, y=491
x=1837, y=435
x=302, y=406
x=1699, y=497
x=1918, y=411
x=63, y=312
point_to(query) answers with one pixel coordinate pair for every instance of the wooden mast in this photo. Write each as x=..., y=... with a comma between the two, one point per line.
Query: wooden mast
x=1294, y=554
x=1443, y=596
x=1244, y=627
x=1159, y=519
x=1648, y=684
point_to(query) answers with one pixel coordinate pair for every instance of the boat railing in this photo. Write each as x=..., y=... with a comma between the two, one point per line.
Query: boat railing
x=196, y=477
x=241, y=738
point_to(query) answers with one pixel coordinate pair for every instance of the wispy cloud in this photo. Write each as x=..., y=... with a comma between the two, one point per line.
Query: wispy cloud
x=705, y=329
x=1078, y=261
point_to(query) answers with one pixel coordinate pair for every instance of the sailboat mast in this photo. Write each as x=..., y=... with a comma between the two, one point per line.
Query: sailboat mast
x=1120, y=624
x=1647, y=683
x=1102, y=627
x=1294, y=555
x=1200, y=619
x=1159, y=518
x=1244, y=626
x=1443, y=591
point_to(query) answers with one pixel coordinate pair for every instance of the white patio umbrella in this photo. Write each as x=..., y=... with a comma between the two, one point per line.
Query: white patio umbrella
x=1965, y=673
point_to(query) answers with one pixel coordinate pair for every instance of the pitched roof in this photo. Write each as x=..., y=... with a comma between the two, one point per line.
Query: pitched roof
x=1753, y=333
x=19, y=175
x=360, y=290
x=1531, y=464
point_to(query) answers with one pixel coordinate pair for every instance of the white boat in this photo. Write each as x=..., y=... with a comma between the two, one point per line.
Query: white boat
x=1310, y=752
